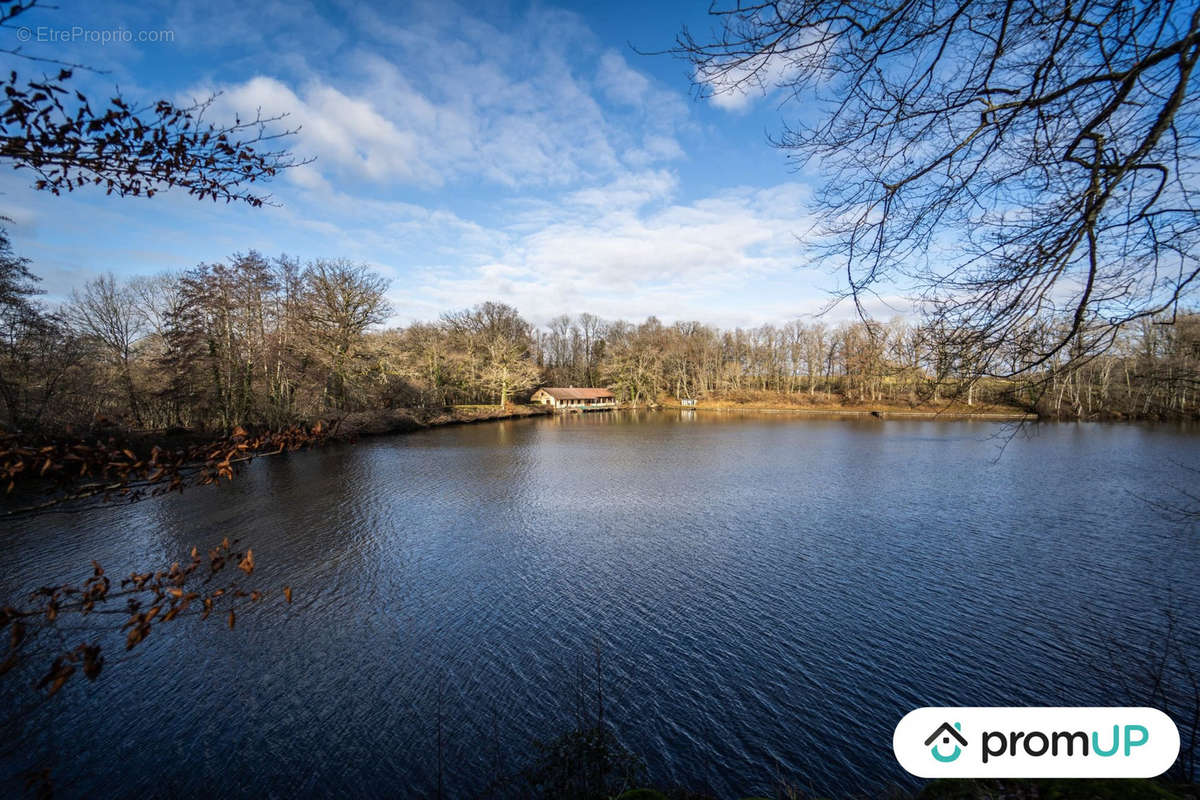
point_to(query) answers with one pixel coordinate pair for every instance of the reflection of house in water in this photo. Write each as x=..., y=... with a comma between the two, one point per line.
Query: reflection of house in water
x=572, y=399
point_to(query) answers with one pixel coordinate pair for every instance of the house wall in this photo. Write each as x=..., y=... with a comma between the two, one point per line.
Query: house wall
x=546, y=399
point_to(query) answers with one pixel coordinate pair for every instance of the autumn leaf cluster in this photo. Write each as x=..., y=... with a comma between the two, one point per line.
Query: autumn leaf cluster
x=69, y=468
x=146, y=600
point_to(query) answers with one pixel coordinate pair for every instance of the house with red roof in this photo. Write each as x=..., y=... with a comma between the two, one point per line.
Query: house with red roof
x=572, y=399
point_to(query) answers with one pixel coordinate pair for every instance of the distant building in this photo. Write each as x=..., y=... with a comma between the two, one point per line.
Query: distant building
x=572, y=399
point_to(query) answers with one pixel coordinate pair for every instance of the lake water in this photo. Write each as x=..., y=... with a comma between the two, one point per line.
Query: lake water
x=769, y=595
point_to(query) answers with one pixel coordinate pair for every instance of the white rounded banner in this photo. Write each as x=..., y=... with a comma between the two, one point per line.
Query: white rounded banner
x=1009, y=742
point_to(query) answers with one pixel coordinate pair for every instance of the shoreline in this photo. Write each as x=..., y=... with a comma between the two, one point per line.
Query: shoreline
x=386, y=422
x=879, y=413
x=400, y=421
x=395, y=421
x=391, y=421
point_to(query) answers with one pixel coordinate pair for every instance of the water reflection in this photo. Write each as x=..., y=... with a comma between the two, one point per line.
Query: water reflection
x=756, y=582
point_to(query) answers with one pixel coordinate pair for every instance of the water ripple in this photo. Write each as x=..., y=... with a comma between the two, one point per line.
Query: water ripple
x=769, y=596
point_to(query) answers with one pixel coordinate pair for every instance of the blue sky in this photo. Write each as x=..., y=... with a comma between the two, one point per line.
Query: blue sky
x=515, y=152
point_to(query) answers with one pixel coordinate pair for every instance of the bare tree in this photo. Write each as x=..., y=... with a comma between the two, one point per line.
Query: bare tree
x=36, y=352
x=508, y=368
x=1002, y=161
x=109, y=314
x=558, y=353
x=591, y=328
x=344, y=299
x=496, y=349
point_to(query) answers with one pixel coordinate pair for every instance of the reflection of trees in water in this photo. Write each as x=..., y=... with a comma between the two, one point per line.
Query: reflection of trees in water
x=1160, y=671
x=586, y=761
x=106, y=613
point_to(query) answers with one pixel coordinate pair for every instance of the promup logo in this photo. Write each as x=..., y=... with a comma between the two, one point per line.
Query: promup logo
x=1036, y=742
x=946, y=732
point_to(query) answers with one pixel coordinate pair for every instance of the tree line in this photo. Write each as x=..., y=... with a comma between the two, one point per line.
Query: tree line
x=271, y=342
x=1150, y=370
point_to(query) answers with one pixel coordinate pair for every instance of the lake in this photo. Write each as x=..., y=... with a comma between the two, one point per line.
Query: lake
x=768, y=595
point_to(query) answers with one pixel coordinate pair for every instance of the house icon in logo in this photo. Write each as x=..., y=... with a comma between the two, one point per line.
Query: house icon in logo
x=945, y=732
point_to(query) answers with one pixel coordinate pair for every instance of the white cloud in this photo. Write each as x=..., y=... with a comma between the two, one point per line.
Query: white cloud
x=343, y=132
x=735, y=84
x=428, y=103
x=619, y=82
x=522, y=161
x=609, y=254
x=628, y=192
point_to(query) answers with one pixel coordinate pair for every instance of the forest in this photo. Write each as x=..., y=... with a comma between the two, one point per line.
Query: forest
x=272, y=342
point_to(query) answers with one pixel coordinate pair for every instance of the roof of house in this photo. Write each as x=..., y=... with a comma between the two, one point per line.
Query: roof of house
x=561, y=393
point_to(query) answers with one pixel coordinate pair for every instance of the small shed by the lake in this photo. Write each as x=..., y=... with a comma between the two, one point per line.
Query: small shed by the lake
x=569, y=398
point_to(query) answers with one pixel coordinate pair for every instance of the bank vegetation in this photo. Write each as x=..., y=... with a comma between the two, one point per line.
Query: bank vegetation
x=276, y=342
